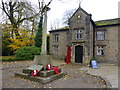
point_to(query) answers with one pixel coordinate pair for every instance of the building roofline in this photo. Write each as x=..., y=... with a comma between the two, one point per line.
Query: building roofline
x=107, y=25
x=58, y=30
x=108, y=22
x=108, y=19
x=79, y=8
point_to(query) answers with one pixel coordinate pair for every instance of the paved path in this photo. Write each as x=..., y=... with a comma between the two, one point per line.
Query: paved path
x=107, y=71
x=75, y=77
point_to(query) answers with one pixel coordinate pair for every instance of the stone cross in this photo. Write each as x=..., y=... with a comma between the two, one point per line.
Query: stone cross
x=40, y=61
x=44, y=33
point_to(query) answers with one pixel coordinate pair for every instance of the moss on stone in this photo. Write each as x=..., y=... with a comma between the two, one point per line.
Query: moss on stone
x=66, y=27
x=107, y=22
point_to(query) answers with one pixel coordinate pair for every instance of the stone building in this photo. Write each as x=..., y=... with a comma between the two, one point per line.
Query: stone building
x=87, y=39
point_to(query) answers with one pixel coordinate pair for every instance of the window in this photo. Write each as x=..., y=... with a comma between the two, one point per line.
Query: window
x=100, y=35
x=79, y=34
x=100, y=50
x=79, y=17
x=55, y=49
x=55, y=37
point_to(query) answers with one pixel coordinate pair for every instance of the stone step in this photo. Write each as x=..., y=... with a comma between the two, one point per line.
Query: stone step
x=45, y=73
x=27, y=71
x=39, y=79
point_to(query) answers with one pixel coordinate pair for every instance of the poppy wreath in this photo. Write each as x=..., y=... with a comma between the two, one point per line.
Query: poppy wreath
x=56, y=70
x=50, y=67
x=34, y=73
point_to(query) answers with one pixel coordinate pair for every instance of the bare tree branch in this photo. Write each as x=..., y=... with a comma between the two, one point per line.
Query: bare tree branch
x=49, y=3
x=19, y=12
x=28, y=18
x=3, y=7
x=67, y=15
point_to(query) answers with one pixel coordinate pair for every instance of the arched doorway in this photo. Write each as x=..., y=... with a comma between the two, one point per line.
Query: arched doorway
x=78, y=54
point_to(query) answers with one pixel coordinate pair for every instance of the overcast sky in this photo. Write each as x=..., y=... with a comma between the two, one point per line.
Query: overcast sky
x=100, y=9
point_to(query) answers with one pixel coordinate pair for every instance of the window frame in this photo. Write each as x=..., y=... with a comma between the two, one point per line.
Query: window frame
x=100, y=36
x=55, y=49
x=55, y=37
x=100, y=50
x=78, y=34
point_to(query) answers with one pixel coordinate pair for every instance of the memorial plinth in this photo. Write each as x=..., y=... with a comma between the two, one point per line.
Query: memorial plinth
x=40, y=61
x=45, y=76
x=39, y=79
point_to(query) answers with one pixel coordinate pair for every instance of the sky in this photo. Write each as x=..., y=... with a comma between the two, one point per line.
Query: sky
x=100, y=9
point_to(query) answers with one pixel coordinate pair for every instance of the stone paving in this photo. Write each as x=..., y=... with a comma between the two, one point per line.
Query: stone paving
x=75, y=77
x=107, y=71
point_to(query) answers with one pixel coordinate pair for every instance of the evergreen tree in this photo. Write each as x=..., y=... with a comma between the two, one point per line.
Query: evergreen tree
x=48, y=44
x=38, y=38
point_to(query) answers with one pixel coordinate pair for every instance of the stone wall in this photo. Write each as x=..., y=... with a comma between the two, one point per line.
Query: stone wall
x=62, y=44
x=82, y=21
x=110, y=43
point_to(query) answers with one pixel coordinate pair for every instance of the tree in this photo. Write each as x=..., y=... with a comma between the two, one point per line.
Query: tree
x=5, y=33
x=38, y=38
x=55, y=24
x=17, y=13
x=10, y=45
x=25, y=40
x=48, y=44
x=67, y=15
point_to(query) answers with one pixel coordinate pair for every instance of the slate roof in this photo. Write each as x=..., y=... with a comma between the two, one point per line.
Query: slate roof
x=101, y=23
x=109, y=22
x=60, y=29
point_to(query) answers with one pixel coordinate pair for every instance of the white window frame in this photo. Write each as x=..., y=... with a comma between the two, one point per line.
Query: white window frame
x=79, y=34
x=55, y=49
x=100, y=35
x=55, y=37
x=100, y=51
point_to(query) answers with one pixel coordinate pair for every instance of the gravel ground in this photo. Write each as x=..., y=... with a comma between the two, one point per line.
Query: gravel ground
x=75, y=77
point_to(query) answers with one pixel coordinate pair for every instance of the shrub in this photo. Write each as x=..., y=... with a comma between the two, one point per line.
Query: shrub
x=10, y=58
x=93, y=58
x=27, y=52
x=5, y=49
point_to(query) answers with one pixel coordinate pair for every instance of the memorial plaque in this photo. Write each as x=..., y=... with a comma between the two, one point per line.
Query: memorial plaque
x=36, y=67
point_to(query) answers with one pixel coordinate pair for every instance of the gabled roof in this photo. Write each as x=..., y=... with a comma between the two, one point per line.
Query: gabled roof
x=109, y=22
x=81, y=10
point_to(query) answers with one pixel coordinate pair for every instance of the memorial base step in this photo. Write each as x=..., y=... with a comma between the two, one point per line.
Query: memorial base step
x=40, y=79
